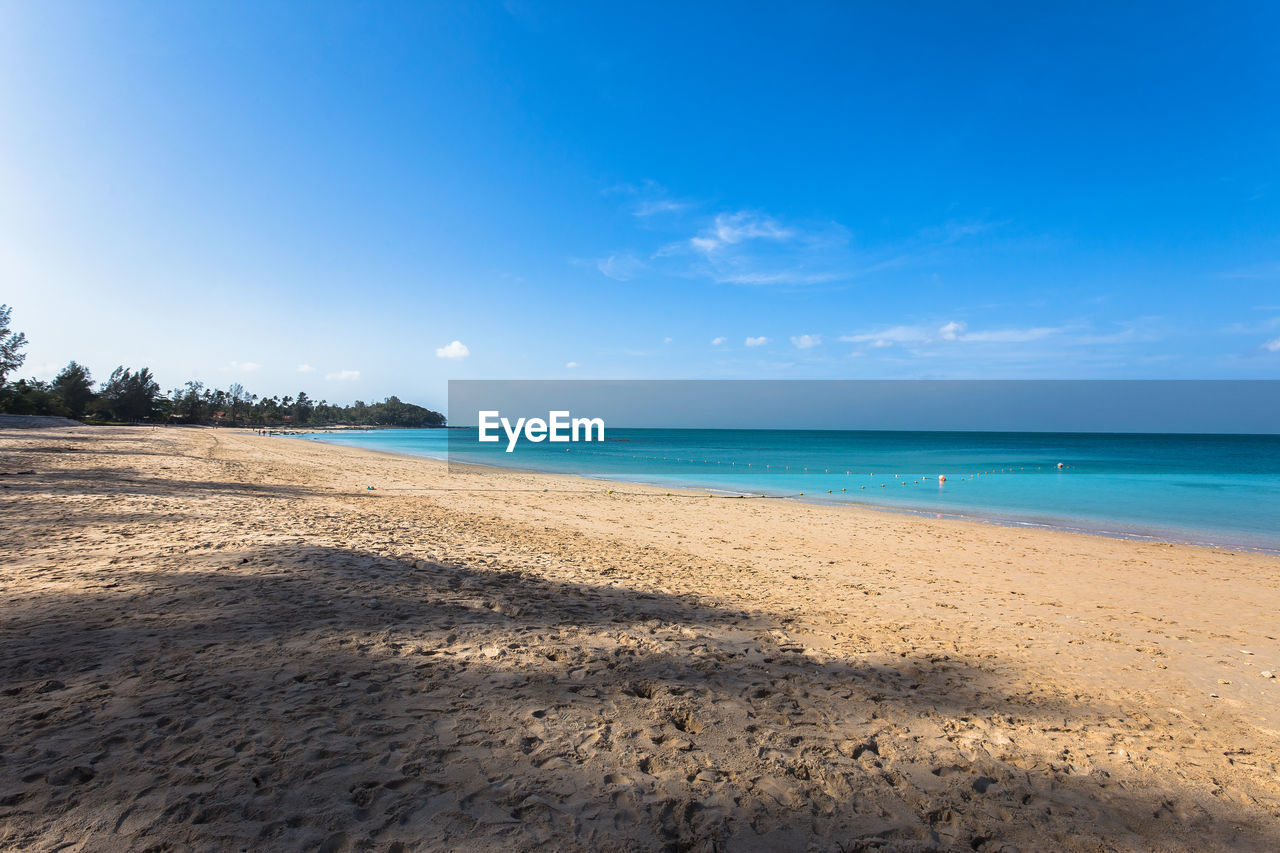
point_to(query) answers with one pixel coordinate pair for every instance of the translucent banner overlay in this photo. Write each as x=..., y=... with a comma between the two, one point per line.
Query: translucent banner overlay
x=1187, y=460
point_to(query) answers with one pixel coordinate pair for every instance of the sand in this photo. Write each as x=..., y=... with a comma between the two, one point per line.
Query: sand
x=216, y=640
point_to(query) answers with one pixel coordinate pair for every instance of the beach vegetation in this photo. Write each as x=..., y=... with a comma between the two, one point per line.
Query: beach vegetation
x=74, y=389
x=11, y=344
x=133, y=396
x=129, y=396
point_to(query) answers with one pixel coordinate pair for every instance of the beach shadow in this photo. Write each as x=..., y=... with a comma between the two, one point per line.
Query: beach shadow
x=105, y=480
x=305, y=697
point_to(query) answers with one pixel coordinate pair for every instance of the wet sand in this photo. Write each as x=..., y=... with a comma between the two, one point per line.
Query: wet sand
x=217, y=640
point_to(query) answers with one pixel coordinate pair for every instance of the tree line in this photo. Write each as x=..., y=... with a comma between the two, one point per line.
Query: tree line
x=131, y=396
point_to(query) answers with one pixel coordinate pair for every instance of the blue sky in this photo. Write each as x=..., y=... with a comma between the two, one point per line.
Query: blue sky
x=328, y=196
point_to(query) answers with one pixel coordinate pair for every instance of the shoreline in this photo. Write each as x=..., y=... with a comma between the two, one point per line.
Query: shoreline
x=1168, y=536
x=222, y=640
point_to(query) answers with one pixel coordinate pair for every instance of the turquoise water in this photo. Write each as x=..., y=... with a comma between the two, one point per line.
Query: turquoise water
x=1220, y=489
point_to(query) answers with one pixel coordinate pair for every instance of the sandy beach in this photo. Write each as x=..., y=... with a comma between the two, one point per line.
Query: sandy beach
x=214, y=640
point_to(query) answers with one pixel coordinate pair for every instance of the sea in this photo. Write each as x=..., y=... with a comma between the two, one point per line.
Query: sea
x=1205, y=489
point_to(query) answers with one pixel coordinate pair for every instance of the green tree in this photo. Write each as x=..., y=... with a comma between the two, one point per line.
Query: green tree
x=302, y=408
x=237, y=400
x=189, y=402
x=74, y=386
x=129, y=396
x=10, y=345
x=30, y=397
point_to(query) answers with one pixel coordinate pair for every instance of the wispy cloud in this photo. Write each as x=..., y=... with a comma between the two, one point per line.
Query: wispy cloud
x=752, y=248
x=649, y=199
x=806, y=341
x=730, y=229
x=889, y=335
x=1259, y=327
x=1257, y=272
x=655, y=206
x=747, y=246
x=571, y=365
x=756, y=342
x=721, y=341
x=454, y=350
x=623, y=266
x=958, y=332
x=1272, y=345
x=956, y=230
x=343, y=376
x=306, y=368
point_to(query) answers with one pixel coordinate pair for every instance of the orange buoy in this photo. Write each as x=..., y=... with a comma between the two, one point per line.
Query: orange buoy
x=942, y=478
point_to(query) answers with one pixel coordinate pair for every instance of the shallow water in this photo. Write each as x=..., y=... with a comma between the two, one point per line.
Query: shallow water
x=1221, y=489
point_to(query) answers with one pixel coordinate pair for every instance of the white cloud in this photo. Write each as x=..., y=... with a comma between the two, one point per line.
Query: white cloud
x=343, y=376
x=806, y=341
x=952, y=331
x=753, y=248
x=456, y=349
x=571, y=365
x=1272, y=345
x=732, y=228
x=715, y=342
x=1010, y=336
x=242, y=367
x=666, y=340
x=620, y=267
x=889, y=336
x=955, y=231
x=651, y=207
x=650, y=198
x=756, y=342
x=786, y=276
x=881, y=343
x=306, y=368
